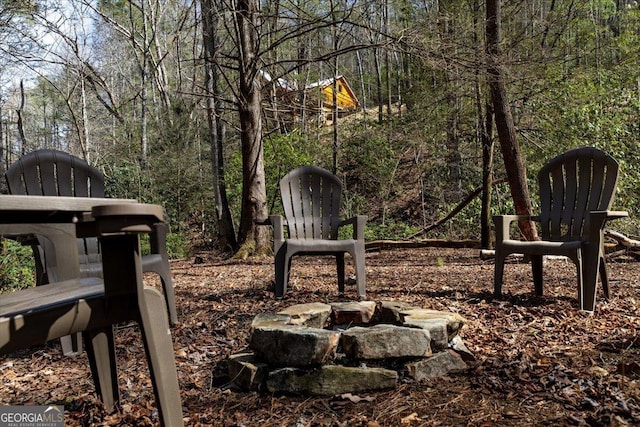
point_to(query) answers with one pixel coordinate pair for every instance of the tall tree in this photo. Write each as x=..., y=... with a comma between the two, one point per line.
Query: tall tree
x=253, y=238
x=514, y=164
x=214, y=109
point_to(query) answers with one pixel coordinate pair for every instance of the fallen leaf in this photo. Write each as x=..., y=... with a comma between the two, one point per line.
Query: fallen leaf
x=410, y=418
x=356, y=399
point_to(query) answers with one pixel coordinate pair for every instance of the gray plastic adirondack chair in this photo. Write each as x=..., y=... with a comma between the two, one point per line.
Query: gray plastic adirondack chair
x=56, y=173
x=311, y=199
x=576, y=193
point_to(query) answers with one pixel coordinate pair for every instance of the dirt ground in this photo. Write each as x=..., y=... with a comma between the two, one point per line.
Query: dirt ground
x=539, y=361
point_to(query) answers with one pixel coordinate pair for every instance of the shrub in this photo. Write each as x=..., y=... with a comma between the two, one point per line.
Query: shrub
x=17, y=267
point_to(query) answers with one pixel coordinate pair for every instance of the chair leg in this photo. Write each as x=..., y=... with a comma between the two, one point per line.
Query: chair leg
x=71, y=344
x=156, y=336
x=590, y=263
x=170, y=298
x=604, y=277
x=123, y=268
x=157, y=264
x=102, y=360
x=536, y=269
x=498, y=274
x=281, y=272
x=340, y=268
x=358, y=259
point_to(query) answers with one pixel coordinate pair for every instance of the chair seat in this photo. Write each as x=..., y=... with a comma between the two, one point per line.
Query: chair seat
x=319, y=246
x=541, y=247
x=45, y=297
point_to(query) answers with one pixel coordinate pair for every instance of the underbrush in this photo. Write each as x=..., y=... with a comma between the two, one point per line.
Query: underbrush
x=17, y=267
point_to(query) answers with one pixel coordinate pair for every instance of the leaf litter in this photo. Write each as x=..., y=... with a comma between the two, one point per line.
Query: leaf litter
x=538, y=360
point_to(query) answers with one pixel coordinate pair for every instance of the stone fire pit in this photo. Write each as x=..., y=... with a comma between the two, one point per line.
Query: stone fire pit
x=327, y=349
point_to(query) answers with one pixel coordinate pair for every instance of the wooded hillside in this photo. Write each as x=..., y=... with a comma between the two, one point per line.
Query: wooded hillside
x=160, y=96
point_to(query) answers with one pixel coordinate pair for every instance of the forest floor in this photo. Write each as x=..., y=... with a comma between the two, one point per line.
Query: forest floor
x=539, y=360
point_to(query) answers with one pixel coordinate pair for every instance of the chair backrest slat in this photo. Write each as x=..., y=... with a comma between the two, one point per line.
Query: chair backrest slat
x=571, y=185
x=295, y=192
x=571, y=204
x=64, y=178
x=311, y=201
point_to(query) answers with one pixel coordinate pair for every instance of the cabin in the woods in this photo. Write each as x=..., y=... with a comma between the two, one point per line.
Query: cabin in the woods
x=346, y=100
x=315, y=99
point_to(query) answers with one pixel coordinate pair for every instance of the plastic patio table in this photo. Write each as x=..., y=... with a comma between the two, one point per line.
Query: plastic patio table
x=37, y=315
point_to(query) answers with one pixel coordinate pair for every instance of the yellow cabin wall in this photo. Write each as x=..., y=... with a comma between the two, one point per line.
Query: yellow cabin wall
x=344, y=99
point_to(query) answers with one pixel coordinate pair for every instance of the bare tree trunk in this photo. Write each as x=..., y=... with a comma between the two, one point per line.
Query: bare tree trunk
x=487, y=175
x=23, y=139
x=451, y=76
x=144, y=74
x=387, y=62
x=252, y=238
x=454, y=158
x=334, y=124
x=3, y=184
x=484, y=135
x=334, y=98
x=214, y=110
x=334, y=101
x=84, y=143
x=376, y=57
x=516, y=174
x=363, y=97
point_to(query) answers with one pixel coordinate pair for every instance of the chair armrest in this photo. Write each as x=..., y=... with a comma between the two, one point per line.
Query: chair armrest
x=612, y=214
x=598, y=219
x=503, y=223
x=262, y=221
x=358, y=223
x=279, y=224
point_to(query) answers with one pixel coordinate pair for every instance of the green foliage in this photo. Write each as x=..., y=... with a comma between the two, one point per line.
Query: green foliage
x=177, y=174
x=125, y=179
x=178, y=245
x=17, y=267
x=596, y=107
x=233, y=180
x=284, y=152
x=369, y=161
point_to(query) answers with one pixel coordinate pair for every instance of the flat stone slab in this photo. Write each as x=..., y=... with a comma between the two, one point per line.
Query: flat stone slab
x=269, y=320
x=355, y=313
x=389, y=311
x=437, y=331
x=329, y=380
x=383, y=341
x=294, y=345
x=313, y=315
x=436, y=366
x=455, y=321
x=246, y=371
